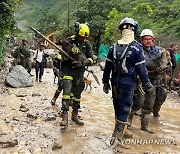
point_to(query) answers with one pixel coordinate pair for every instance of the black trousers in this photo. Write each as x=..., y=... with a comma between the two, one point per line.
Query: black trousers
x=39, y=67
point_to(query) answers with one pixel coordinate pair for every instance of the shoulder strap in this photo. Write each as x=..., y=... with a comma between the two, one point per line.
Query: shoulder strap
x=36, y=54
x=114, y=49
x=123, y=54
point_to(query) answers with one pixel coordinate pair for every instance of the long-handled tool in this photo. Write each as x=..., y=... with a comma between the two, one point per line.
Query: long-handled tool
x=62, y=51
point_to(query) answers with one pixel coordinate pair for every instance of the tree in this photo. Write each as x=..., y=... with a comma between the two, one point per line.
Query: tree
x=47, y=22
x=7, y=22
x=95, y=13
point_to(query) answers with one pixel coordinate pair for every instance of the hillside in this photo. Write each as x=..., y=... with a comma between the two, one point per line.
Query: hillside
x=163, y=16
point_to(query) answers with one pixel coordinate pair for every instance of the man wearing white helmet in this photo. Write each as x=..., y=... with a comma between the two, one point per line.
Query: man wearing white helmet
x=146, y=101
x=124, y=60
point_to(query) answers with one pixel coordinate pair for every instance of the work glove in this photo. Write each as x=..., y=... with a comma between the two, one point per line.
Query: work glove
x=86, y=62
x=149, y=87
x=159, y=69
x=106, y=88
x=77, y=64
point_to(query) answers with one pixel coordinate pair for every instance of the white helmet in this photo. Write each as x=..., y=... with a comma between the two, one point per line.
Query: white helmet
x=147, y=32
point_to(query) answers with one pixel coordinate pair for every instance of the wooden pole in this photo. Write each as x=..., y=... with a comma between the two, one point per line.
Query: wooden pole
x=52, y=43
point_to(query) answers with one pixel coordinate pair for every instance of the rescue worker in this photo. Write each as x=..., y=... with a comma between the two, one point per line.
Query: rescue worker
x=124, y=60
x=57, y=62
x=22, y=54
x=172, y=51
x=146, y=101
x=40, y=59
x=73, y=73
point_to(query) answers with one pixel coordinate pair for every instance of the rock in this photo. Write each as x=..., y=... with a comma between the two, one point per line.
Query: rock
x=32, y=115
x=8, y=140
x=56, y=145
x=50, y=117
x=35, y=94
x=19, y=77
x=21, y=95
x=23, y=108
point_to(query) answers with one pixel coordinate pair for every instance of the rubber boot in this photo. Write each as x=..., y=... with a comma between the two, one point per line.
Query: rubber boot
x=56, y=95
x=156, y=110
x=75, y=117
x=130, y=118
x=64, y=121
x=127, y=134
x=145, y=123
x=118, y=133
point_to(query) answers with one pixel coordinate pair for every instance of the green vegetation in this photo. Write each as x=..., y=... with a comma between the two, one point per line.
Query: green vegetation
x=162, y=16
x=103, y=16
x=7, y=22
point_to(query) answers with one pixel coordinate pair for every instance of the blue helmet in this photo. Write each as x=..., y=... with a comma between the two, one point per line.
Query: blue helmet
x=127, y=23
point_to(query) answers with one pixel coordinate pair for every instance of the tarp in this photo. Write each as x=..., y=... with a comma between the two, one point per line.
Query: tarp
x=177, y=58
x=103, y=51
x=177, y=70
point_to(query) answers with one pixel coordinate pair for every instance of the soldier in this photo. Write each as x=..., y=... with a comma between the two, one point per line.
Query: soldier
x=73, y=73
x=124, y=60
x=22, y=54
x=146, y=101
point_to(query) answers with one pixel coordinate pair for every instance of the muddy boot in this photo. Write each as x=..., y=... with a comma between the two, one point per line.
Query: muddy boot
x=119, y=133
x=64, y=121
x=75, y=117
x=130, y=118
x=156, y=110
x=127, y=134
x=145, y=123
x=56, y=95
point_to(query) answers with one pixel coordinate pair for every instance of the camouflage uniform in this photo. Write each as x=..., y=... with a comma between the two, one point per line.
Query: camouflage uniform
x=147, y=101
x=22, y=53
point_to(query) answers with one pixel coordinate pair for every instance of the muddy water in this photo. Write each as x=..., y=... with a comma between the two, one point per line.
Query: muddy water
x=38, y=135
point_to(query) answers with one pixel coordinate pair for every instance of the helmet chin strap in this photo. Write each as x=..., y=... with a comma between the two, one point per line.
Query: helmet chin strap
x=127, y=37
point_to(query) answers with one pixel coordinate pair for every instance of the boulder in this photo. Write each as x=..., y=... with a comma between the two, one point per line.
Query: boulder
x=19, y=77
x=8, y=140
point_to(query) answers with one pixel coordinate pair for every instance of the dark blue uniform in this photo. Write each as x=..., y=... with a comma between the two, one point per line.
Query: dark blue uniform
x=123, y=63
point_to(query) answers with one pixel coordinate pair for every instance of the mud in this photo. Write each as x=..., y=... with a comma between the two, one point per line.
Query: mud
x=26, y=116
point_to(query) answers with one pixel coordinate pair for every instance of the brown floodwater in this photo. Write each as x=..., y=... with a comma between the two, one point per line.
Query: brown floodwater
x=97, y=112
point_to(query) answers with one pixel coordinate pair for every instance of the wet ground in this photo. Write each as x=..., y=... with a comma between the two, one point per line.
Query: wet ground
x=28, y=119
